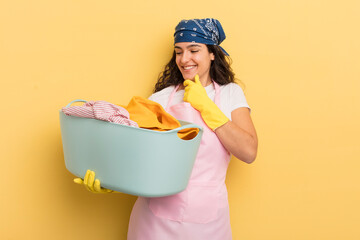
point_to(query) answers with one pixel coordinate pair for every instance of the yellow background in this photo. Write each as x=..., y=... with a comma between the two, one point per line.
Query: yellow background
x=300, y=64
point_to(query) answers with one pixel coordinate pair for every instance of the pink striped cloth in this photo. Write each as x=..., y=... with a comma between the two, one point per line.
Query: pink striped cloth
x=101, y=110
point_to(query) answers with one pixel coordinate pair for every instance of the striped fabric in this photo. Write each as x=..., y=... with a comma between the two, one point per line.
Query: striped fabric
x=101, y=110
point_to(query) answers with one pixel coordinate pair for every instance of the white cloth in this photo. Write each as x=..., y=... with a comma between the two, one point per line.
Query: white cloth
x=232, y=97
x=101, y=110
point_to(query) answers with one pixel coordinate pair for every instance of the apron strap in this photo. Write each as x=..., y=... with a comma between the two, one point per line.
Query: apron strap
x=171, y=97
x=216, y=100
x=217, y=93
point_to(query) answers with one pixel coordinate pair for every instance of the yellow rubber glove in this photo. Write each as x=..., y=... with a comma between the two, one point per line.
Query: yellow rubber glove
x=196, y=95
x=92, y=184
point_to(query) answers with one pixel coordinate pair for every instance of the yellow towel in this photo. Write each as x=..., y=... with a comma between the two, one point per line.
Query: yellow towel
x=151, y=115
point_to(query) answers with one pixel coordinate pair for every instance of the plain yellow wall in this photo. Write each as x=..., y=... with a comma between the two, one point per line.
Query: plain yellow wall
x=300, y=64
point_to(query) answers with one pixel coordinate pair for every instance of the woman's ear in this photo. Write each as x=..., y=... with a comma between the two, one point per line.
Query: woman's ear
x=212, y=56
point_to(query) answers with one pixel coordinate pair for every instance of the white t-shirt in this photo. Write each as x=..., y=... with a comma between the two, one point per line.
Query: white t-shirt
x=231, y=97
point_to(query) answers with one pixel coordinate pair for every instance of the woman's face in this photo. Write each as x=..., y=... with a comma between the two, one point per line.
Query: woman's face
x=192, y=59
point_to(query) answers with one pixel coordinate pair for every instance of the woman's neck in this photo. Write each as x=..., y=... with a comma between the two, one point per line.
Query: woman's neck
x=206, y=81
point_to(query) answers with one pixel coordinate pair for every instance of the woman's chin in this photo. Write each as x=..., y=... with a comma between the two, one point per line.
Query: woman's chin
x=189, y=76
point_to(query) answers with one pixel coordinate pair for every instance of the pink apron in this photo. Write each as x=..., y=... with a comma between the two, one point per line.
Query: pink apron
x=199, y=212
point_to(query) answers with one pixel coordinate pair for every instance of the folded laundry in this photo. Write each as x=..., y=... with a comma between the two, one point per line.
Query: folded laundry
x=151, y=115
x=101, y=110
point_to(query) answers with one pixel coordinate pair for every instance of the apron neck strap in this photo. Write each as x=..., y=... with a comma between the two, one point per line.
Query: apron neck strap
x=217, y=93
x=171, y=97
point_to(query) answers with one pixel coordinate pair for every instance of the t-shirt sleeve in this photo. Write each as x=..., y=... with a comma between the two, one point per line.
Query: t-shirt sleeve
x=161, y=97
x=235, y=98
x=156, y=98
x=152, y=98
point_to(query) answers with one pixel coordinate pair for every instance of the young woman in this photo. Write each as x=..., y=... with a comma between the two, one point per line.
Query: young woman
x=197, y=86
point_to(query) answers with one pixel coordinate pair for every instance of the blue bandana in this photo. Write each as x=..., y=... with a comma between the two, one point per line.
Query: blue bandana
x=207, y=31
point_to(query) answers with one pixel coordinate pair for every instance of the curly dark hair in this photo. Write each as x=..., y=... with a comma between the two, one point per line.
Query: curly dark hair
x=220, y=70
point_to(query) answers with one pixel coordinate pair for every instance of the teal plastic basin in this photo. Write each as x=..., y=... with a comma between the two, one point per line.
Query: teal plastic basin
x=131, y=160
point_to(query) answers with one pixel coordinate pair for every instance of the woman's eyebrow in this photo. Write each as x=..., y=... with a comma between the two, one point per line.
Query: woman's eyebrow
x=190, y=46
x=193, y=45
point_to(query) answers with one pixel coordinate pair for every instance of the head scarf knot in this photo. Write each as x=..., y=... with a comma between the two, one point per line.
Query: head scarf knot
x=207, y=31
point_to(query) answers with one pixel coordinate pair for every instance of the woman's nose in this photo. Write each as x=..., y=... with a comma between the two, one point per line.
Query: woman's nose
x=185, y=57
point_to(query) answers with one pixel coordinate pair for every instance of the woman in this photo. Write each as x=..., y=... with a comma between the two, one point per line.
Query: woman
x=197, y=86
x=210, y=98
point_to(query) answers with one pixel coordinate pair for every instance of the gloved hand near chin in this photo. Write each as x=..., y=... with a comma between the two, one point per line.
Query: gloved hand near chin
x=196, y=95
x=92, y=184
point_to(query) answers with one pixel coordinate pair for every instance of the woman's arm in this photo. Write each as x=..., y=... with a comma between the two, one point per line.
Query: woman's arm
x=239, y=136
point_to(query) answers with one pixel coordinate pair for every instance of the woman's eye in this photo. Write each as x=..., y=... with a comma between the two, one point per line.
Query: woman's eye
x=177, y=53
x=194, y=51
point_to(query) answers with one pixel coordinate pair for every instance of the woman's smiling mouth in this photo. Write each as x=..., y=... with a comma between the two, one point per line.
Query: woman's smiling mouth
x=189, y=67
